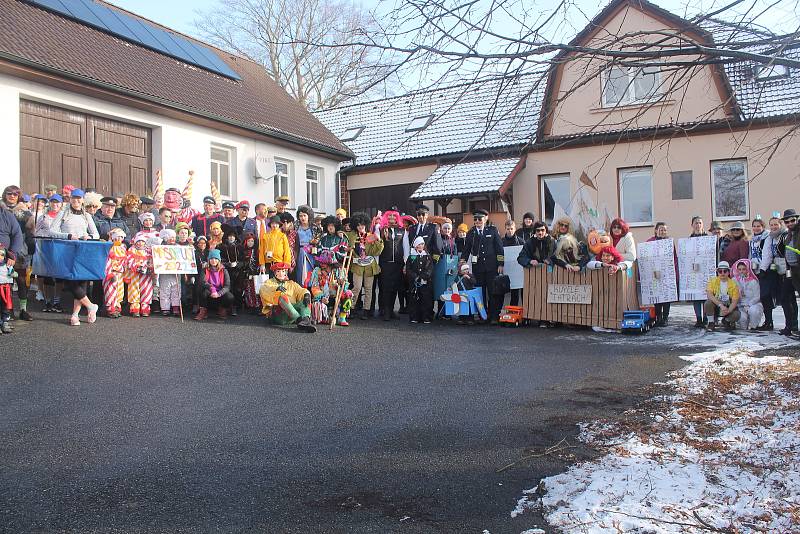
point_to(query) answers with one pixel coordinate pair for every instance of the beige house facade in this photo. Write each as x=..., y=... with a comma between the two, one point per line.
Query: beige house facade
x=650, y=143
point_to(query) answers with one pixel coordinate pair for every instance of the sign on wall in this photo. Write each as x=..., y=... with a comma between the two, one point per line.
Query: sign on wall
x=569, y=294
x=697, y=263
x=174, y=259
x=657, y=271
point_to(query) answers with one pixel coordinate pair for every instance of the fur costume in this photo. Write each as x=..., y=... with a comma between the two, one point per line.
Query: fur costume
x=113, y=284
x=333, y=247
x=139, y=277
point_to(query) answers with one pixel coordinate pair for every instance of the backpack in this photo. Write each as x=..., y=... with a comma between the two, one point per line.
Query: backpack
x=500, y=285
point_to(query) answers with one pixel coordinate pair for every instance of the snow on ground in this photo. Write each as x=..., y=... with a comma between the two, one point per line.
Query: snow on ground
x=719, y=451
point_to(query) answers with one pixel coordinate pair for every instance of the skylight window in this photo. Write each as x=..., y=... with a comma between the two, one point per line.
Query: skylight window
x=351, y=133
x=769, y=72
x=418, y=124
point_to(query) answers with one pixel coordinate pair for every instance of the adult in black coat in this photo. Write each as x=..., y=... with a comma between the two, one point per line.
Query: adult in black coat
x=485, y=249
x=430, y=232
x=526, y=230
x=539, y=249
x=108, y=218
x=392, y=263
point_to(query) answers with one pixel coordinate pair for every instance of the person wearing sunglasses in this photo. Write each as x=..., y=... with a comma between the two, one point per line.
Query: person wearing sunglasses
x=723, y=298
x=737, y=247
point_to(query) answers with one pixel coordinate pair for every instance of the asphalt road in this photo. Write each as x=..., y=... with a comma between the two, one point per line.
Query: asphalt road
x=147, y=425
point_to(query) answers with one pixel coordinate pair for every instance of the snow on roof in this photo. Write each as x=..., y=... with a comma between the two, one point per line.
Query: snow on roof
x=493, y=113
x=466, y=178
x=771, y=96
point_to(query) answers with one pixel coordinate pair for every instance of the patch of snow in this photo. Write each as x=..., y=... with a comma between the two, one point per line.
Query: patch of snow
x=718, y=452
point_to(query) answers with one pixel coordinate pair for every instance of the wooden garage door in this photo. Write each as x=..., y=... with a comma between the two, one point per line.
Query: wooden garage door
x=62, y=147
x=372, y=199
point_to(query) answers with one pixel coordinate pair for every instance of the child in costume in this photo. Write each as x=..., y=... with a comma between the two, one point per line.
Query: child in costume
x=749, y=305
x=7, y=276
x=419, y=270
x=139, y=277
x=333, y=244
x=183, y=233
x=250, y=269
x=318, y=283
x=286, y=301
x=113, y=283
x=466, y=281
x=169, y=284
x=233, y=259
x=216, y=235
x=610, y=258
x=201, y=259
x=366, y=249
x=273, y=246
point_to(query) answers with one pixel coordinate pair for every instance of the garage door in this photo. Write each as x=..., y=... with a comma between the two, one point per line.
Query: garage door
x=59, y=146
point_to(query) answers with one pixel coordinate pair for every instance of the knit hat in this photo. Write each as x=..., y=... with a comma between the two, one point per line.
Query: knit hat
x=183, y=226
x=116, y=232
x=214, y=255
x=278, y=266
x=146, y=215
x=419, y=241
x=140, y=237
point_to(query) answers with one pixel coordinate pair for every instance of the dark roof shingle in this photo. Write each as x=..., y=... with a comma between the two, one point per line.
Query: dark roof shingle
x=257, y=102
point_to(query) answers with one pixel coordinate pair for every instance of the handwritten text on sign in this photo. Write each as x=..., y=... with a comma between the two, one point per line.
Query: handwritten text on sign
x=174, y=259
x=569, y=294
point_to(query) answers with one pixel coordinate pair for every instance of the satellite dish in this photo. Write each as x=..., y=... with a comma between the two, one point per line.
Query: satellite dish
x=265, y=166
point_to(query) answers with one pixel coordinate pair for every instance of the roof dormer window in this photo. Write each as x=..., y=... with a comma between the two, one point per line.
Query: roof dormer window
x=418, y=124
x=352, y=133
x=771, y=71
x=623, y=86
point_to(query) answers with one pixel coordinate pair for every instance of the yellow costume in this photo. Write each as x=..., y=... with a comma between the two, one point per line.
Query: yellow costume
x=276, y=242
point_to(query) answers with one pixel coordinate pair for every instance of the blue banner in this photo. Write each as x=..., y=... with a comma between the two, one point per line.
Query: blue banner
x=71, y=260
x=444, y=274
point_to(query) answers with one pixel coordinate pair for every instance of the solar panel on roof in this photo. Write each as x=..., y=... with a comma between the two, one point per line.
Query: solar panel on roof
x=138, y=32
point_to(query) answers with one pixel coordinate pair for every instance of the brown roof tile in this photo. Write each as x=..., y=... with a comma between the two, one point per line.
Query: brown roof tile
x=257, y=102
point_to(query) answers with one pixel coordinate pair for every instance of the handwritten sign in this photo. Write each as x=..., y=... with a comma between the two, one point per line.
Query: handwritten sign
x=657, y=271
x=569, y=294
x=174, y=259
x=697, y=263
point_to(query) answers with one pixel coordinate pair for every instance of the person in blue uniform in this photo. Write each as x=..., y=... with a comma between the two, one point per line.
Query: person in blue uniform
x=428, y=231
x=485, y=249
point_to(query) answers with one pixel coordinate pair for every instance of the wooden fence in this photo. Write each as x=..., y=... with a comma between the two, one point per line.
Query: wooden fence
x=611, y=295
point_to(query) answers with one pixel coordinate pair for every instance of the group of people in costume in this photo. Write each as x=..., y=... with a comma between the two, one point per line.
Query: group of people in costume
x=304, y=269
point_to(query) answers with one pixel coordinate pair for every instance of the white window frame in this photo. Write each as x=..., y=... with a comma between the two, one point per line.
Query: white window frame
x=717, y=163
x=620, y=187
x=215, y=164
x=629, y=99
x=351, y=134
x=542, y=179
x=317, y=182
x=279, y=177
x=419, y=123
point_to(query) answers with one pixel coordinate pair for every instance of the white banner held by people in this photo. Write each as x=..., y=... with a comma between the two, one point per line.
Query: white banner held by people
x=512, y=268
x=697, y=263
x=657, y=271
x=174, y=259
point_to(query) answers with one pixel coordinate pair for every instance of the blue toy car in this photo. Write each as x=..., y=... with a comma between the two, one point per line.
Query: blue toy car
x=636, y=321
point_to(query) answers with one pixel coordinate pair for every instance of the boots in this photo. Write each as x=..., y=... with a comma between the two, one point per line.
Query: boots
x=202, y=314
x=176, y=311
x=304, y=325
x=222, y=312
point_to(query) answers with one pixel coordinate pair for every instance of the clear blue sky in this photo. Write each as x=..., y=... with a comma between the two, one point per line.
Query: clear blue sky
x=177, y=14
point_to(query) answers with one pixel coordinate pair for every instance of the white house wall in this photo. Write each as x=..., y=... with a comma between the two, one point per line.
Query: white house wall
x=178, y=147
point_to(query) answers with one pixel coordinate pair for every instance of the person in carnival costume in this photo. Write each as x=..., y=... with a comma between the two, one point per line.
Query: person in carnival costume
x=214, y=288
x=232, y=254
x=250, y=269
x=365, y=267
x=7, y=276
x=287, y=227
x=750, y=308
x=273, y=247
x=305, y=239
x=216, y=236
x=419, y=270
x=138, y=276
x=113, y=283
x=169, y=284
x=391, y=262
x=285, y=301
